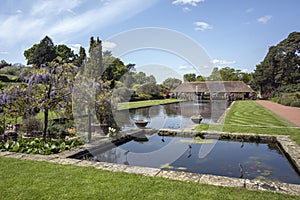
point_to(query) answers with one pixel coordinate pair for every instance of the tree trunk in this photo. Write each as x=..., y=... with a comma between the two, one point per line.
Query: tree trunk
x=46, y=112
x=89, y=126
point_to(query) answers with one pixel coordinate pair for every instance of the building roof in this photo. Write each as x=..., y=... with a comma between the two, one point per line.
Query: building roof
x=214, y=86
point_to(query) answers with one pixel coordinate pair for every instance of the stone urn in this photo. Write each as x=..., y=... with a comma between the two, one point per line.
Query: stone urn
x=196, y=119
x=141, y=123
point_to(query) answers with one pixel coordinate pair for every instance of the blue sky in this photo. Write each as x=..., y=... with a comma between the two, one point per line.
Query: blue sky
x=234, y=33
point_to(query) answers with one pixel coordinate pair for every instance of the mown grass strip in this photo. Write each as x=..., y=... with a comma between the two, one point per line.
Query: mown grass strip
x=139, y=104
x=250, y=117
x=22, y=179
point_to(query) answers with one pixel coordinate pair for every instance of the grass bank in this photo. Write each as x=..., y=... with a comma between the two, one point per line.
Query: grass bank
x=250, y=117
x=139, y=104
x=21, y=179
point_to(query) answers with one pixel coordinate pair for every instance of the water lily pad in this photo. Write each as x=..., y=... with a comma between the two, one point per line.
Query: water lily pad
x=258, y=163
x=197, y=141
x=253, y=158
x=266, y=173
x=167, y=166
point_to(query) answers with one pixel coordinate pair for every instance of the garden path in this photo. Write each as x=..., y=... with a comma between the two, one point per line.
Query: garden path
x=291, y=114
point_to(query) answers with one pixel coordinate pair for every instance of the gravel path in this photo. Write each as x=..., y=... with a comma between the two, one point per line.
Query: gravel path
x=290, y=114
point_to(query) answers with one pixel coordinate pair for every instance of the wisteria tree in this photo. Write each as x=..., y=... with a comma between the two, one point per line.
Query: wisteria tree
x=51, y=78
x=50, y=86
x=14, y=102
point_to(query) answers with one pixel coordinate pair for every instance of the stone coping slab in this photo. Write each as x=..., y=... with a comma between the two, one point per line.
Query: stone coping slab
x=291, y=149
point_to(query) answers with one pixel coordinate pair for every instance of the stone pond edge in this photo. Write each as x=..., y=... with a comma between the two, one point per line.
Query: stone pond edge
x=291, y=150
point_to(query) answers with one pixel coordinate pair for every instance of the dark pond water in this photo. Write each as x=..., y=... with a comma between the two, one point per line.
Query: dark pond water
x=224, y=158
x=174, y=116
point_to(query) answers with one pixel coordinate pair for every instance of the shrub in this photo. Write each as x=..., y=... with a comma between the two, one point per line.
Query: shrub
x=4, y=78
x=57, y=129
x=31, y=125
x=144, y=96
x=287, y=98
x=1, y=130
x=10, y=70
x=149, y=88
x=122, y=94
x=295, y=104
x=275, y=99
x=285, y=102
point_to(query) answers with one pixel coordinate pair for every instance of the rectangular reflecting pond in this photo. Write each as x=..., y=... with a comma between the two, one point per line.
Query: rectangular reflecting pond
x=205, y=156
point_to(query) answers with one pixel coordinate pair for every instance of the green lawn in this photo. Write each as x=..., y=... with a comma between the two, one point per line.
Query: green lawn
x=250, y=117
x=40, y=115
x=138, y=104
x=21, y=179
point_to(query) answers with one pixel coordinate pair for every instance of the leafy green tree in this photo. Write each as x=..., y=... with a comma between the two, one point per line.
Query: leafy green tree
x=45, y=51
x=200, y=78
x=114, y=69
x=245, y=77
x=65, y=53
x=228, y=74
x=29, y=54
x=215, y=75
x=171, y=83
x=151, y=79
x=189, y=77
x=140, y=78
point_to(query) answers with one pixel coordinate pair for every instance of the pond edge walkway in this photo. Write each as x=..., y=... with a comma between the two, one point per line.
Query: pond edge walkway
x=292, y=150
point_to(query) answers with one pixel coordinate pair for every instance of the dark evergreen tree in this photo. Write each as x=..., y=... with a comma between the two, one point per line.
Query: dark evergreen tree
x=44, y=52
x=280, y=67
x=80, y=58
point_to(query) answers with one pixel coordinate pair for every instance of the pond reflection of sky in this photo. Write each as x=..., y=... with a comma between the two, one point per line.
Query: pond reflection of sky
x=233, y=159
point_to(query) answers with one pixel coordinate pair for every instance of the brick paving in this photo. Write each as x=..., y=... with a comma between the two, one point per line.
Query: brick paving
x=290, y=114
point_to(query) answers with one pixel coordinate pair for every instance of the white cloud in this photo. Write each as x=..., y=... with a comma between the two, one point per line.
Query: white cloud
x=185, y=67
x=186, y=9
x=63, y=21
x=49, y=7
x=222, y=62
x=3, y=52
x=249, y=10
x=202, y=26
x=108, y=45
x=75, y=47
x=187, y=2
x=98, y=17
x=264, y=19
x=245, y=70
